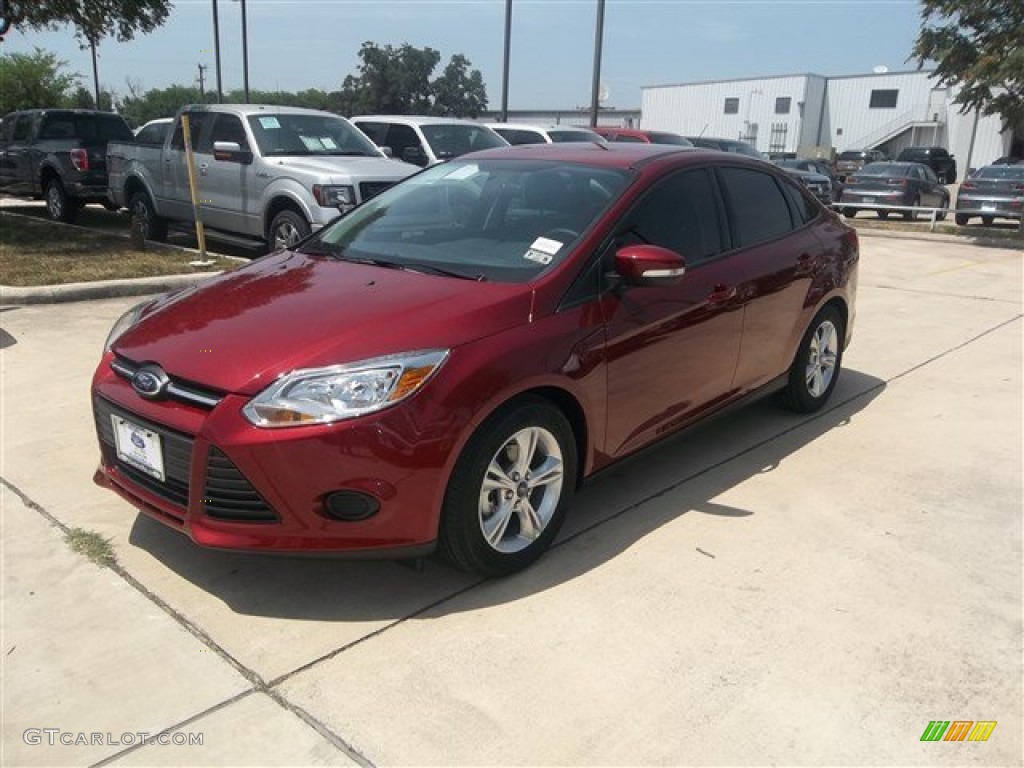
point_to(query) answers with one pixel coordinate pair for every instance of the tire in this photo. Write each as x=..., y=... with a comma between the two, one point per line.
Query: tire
x=59, y=206
x=849, y=212
x=500, y=514
x=144, y=216
x=815, y=370
x=941, y=215
x=286, y=229
x=961, y=219
x=883, y=215
x=987, y=220
x=911, y=215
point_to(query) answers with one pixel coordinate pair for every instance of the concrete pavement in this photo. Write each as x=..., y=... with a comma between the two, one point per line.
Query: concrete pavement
x=764, y=589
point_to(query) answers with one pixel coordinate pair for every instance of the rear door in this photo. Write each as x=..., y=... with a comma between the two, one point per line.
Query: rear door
x=177, y=200
x=672, y=351
x=19, y=173
x=778, y=252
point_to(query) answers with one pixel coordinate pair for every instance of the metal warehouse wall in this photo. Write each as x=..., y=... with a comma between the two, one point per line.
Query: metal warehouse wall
x=699, y=109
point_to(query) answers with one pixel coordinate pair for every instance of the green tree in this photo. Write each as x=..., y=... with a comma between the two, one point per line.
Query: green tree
x=34, y=80
x=82, y=98
x=978, y=45
x=92, y=19
x=459, y=91
x=138, y=108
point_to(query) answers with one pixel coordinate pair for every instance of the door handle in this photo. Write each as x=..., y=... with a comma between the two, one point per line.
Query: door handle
x=721, y=294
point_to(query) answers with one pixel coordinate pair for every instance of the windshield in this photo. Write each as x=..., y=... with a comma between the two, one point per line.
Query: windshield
x=885, y=169
x=560, y=137
x=454, y=139
x=500, y=220
x=659, y=137
x=1008, y=172
x=299, y=134
x=851, y=155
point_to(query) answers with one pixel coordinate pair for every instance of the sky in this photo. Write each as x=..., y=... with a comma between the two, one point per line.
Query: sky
x=299, y=44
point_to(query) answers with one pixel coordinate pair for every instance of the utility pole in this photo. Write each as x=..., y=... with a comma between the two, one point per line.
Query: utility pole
x=216, y=52
x=504, y=71
x=95, y=72
x=245, y=54
x=202, y=82
x=598, y=41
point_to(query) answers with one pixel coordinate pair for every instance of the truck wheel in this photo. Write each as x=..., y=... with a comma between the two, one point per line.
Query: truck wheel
x=144, y=217
x=59, y=207
x=286, y=229
x=962, y=219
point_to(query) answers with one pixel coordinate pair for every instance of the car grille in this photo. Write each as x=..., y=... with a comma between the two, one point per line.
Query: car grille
x=368, y=189
x=177, y=453
x=176, y=390
x=229, y=496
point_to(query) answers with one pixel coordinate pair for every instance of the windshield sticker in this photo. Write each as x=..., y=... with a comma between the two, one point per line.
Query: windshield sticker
x=328, y=142
x=544, y=245
x=539, y=256
x=269, y=122
x=312, y=142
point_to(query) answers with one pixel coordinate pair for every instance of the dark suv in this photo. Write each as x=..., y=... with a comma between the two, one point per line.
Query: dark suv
x=59, y=155
x=936, y=158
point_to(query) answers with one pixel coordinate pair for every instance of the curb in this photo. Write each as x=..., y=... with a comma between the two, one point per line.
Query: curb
x=1008, y=243
x=101, y=289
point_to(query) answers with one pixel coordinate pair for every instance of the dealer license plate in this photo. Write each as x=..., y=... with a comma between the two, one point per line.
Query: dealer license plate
x=988, y=207
x=138, y=446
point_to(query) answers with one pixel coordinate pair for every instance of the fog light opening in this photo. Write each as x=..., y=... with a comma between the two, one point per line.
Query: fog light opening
x=350, y=506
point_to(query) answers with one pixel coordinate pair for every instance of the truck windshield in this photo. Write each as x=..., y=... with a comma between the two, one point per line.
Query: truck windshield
x=297, y=134
x=454, y=139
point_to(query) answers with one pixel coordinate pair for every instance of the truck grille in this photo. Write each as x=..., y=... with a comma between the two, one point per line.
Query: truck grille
x=368, y=189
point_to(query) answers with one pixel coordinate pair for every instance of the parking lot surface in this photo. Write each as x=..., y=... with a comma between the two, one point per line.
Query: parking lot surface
x=767, y=588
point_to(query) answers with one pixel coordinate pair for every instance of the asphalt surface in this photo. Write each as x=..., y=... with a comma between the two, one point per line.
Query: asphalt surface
x=765, y=589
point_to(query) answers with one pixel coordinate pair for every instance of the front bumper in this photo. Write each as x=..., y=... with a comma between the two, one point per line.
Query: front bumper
x=230, y=485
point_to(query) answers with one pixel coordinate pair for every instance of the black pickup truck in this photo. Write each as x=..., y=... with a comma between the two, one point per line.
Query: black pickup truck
x=59, y=155
x=936, y=158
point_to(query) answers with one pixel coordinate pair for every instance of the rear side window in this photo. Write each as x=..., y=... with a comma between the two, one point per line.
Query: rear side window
x=376, y=132
x=520, y=136
x=757, y=205
x=22, y=128
x=196, y=122
x=804, y=208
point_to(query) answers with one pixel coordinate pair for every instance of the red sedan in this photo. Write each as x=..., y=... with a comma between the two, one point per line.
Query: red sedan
x=444, y=365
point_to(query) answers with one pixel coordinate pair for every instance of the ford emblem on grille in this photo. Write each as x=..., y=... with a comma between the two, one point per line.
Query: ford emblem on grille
x=150, y=381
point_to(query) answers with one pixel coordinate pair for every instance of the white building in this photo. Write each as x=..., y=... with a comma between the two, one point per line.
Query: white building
x=888, y=111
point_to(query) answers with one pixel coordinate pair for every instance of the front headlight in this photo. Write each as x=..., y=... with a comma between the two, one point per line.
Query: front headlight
x=325, y=395
x=124, y=322
x=334, y=195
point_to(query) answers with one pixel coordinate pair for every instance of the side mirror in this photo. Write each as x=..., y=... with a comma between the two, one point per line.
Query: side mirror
x=388, y=152
x=649, y=265
x=414, y=155
x=231, y=151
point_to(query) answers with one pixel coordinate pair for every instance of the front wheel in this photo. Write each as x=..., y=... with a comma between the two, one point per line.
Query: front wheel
x=849, y=212
x=510, y=489
x=287, y=229
x=815, y=370
x=911, y=215
x=987, y=220
x=59, y=206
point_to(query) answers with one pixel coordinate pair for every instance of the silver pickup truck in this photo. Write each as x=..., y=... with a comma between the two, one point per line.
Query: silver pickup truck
x=264, y=173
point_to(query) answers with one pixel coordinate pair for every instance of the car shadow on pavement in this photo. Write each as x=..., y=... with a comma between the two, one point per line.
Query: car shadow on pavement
x=621, y=506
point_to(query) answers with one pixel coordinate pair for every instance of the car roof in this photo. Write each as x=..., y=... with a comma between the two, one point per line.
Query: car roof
x=542, y=128
x=417, y=120
x=256, y=109
x=623, y=156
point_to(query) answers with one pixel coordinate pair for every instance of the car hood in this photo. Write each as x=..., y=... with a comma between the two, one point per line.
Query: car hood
x=241, y=330
x=345, y=167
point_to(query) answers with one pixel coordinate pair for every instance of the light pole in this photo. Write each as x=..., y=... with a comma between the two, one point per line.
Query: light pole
x=508, y=49
x=216, y=52
x=245, y=54
x=95, y=72
x=596, y=86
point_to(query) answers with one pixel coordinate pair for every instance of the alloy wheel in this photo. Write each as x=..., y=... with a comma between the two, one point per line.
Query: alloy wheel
x=822, y=357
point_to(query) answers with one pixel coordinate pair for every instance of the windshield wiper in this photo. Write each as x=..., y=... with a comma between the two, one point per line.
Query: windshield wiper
x=405, y=266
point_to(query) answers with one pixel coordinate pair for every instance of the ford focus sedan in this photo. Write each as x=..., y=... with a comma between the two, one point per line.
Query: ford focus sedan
x=443, y=366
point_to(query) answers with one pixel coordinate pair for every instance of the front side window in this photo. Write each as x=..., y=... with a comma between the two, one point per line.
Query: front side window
x=505, y=221
x=518, y=136
x=559, y=137
x=732, y=106
x=758, y=209
x=680, y=213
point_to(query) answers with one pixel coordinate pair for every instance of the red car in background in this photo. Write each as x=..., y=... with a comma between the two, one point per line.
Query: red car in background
x=442, y=366
x=637, y=136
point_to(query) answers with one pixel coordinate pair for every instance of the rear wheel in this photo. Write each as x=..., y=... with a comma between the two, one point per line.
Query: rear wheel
x=815, y=370
x=987, y=220
x=883, y=215
x=962, y=219
x=849, y=212
x=59, y=206
x=144, y=216
x=287, y=229
x=510, y=489
x=911, y=215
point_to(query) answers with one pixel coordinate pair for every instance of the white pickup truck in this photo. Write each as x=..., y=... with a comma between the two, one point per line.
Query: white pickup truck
x=264, y=173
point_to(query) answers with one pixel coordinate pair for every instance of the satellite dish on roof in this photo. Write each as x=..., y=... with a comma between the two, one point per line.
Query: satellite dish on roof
x=881, y=69
x=603, y=93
